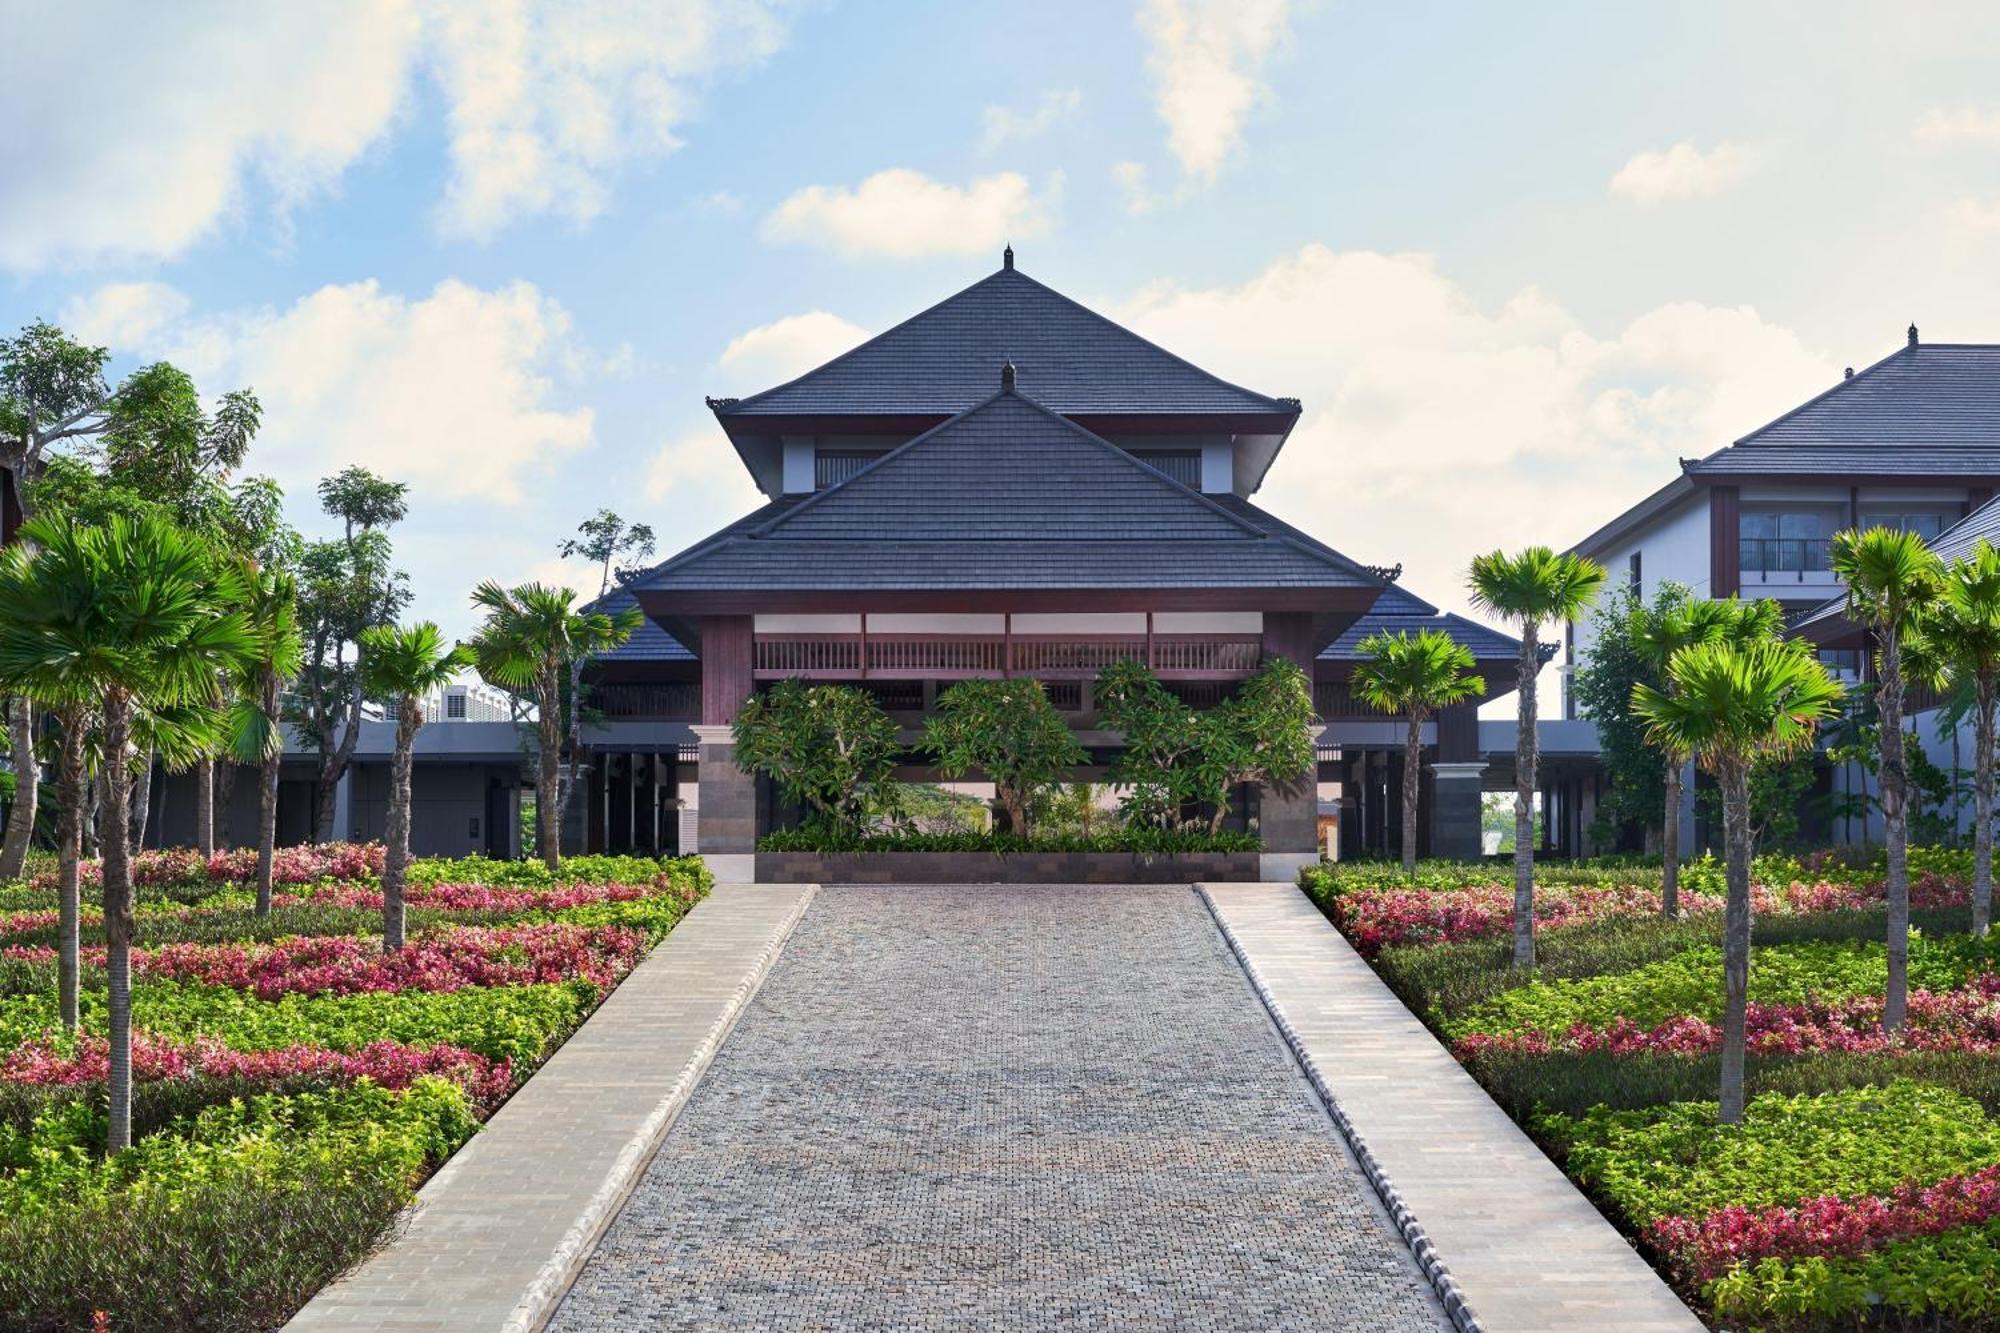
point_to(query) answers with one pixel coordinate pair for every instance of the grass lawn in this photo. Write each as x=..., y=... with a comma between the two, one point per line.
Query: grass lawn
x=1862, y=1189
x=294, y=1085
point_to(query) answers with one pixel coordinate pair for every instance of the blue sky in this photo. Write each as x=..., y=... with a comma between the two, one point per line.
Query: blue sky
x=1516, y=260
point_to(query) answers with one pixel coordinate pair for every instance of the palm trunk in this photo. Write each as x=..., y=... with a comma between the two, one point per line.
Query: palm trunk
x=333, y=767
x=566, y=787
x=1735, y=938
x=118, y=914
x=69, y=866
x=1413, y=759
x=93, y=806
x=1982, y=805
x=142, y=797
x=1524, y=801
x=267, y=831
x=548, y=778
x=225, y=802
x=396, y=858
x=1895, y=829
x=1670, y=841
x=204, y=806
x=27, y=789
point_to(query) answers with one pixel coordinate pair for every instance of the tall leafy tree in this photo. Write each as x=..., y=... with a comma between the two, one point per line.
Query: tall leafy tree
x=1415, y=675
x=1957, y=644
x=1533, y=588
x=1891, y=577
x=1730, y=704
x=257, y=689
x=1657, y=634
x=345, y=586
x=1010, y=731
x=531, y=636
x=406, y=664
x=603, y=538
x=128, y=615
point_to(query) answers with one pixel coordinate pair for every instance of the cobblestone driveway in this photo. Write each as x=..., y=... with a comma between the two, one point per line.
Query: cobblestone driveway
x=1002, y=1107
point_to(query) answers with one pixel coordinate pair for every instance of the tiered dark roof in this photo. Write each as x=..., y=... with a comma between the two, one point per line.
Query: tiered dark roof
x=1399, y=610
x=1008, y=494
x=1828, y=622
x=1070, y=358
x=1927, y=410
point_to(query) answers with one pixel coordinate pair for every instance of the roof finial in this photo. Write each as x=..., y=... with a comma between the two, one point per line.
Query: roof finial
x=1913, y=335
x=1006, y=377
x=1007, y=256
x=1849, y=374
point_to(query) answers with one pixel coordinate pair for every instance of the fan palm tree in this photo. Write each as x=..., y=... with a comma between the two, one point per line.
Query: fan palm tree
x=529, y=639
x=1531, y=589
x=123, y=615
x=1415, y=675
x=1730, y=704
x=256, y=729
x=1891, y=575
x=405, y=664
x=1656, y=636
x=1957, y=643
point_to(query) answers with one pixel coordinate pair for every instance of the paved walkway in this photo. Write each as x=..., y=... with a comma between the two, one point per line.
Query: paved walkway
x=501, y=1228
x=1526, y=1250
x=1039, y=1107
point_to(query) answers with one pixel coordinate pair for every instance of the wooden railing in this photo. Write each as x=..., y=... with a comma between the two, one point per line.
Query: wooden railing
x=1047, y=656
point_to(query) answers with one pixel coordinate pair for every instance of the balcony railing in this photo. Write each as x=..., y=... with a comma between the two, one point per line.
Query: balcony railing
x=1797, y=556
x=1047, y=656
x=665, y=700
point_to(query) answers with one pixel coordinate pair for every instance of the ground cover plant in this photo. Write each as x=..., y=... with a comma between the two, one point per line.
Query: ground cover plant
x=1861, y=1187
x=293, y=1082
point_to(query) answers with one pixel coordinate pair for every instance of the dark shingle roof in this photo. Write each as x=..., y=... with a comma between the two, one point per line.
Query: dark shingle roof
x=1006, y=495
x=1829, y=618
x=1486, y=644
x=649, y=643
x=1925, y=410
x=943, y=361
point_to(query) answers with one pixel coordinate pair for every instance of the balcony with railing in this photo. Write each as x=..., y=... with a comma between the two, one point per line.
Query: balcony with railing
x=1775, y=561
x=1046, y=656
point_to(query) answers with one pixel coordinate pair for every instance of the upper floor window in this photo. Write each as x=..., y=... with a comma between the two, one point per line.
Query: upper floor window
x=1183, y=465
x=1633, y=578
x=833, y=466
x=1784, y=540
x=1926, y=523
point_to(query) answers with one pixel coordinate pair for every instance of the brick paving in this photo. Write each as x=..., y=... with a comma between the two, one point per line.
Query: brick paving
x=1524, y=1247
x=1019, y=1107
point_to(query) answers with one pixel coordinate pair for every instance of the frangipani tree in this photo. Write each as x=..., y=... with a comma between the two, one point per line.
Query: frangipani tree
x=1533, y=588
x=123, y=615
x=1958, y=643
x=1730, y=704
x=1891, y=576
x=1657, y=635
x=1415, y=675
x=1008, y=730
x=831, y=748
x=405, y=664
x=531, y=637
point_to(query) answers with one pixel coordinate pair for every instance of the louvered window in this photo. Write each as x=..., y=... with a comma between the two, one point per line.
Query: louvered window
x=833, y=466
x=1183, y=465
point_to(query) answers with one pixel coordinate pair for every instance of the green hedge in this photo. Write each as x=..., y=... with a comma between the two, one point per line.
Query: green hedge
x=1147, y=841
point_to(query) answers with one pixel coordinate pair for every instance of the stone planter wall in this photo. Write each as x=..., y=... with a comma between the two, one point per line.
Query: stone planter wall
x=1010, y=868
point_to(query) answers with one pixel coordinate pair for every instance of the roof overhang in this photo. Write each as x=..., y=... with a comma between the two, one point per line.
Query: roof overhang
x=1659, y=502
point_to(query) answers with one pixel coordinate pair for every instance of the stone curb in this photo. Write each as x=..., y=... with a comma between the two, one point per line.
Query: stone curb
x=1425, y=1253
x=552, y=1283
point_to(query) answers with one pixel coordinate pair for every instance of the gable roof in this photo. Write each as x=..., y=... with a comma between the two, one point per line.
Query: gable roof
x=1925, y=410
x=940, y=362
x=1007, y=494
x=1828, y=622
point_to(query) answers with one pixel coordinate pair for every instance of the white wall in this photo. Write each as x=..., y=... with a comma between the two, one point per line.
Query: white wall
x=1673, y=547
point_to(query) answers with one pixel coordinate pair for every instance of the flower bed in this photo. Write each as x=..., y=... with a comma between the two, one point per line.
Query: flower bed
x=1863, y=1187
x=293, y=1085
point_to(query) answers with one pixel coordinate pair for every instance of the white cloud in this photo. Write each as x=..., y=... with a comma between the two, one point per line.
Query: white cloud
x=699, y=473
x=1131, y=180
x=904, y=214
x=546, y=98
x=123, y=314
x=449, y=392
x=786, y=348
x=1436, y=426
x=1973, y=217
x=1684, y=172
x=198, y=110
x=1207, y=58
x=1003, y=124
x=1960, y=124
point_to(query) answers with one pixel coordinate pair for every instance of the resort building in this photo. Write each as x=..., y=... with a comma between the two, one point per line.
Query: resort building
x=1009, y=484
x=1911, y=442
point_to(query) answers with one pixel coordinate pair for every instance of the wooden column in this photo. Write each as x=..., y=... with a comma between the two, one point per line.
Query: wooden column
x=728, y=814
x=1725, y=532
x=726, y=664
x=1288, y=818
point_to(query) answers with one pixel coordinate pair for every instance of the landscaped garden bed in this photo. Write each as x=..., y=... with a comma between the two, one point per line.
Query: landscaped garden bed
x=1862, y=1188
x=294, y=1083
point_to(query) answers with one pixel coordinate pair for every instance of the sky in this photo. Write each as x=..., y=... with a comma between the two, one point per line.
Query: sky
x=1515, y=260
